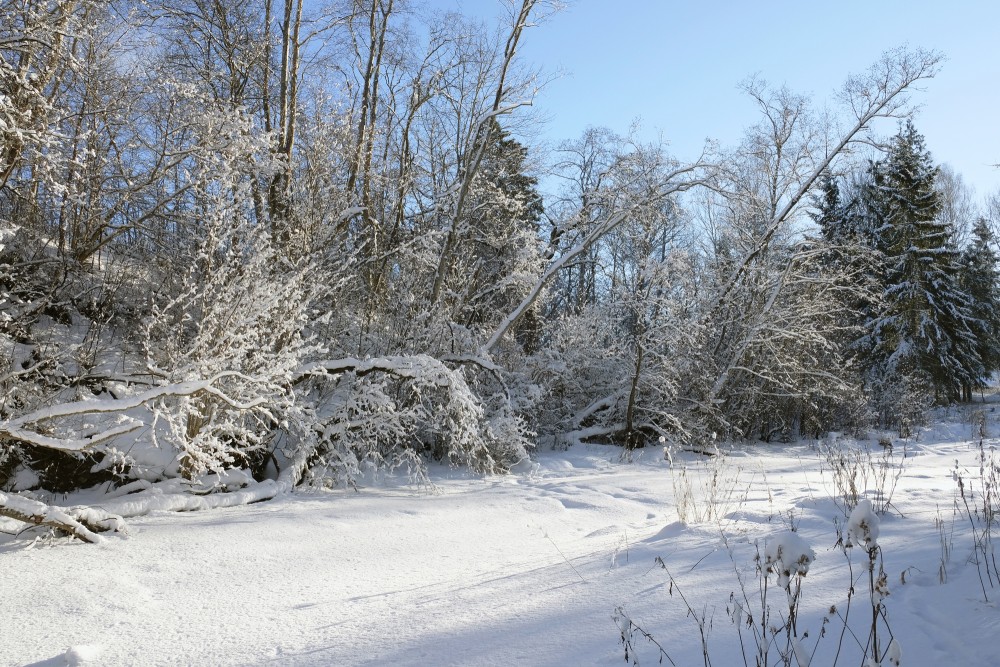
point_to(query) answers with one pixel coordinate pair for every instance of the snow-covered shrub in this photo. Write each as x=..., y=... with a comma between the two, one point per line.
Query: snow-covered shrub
x=389, y=412
x=237, y=316
x=581, y=377
x=900, y=400
x=858, y=472
x=240, y=319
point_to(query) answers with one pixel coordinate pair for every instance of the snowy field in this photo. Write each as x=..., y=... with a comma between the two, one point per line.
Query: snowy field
x=527, y=569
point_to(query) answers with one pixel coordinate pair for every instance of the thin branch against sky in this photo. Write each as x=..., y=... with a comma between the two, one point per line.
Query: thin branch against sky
x=676, y=66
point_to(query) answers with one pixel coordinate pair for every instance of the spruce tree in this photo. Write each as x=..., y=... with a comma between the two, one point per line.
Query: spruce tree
x=849, y=252
x=842, y=212
x=925, y=329
x=504, y=213
x=979, y=279
x=829, y=215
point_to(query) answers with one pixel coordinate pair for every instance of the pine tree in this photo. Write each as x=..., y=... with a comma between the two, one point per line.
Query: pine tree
x=979, y=279
x=925, y=329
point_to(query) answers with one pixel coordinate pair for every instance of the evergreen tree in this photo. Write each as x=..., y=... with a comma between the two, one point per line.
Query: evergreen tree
x=979, y=279
x=849, y=252
x=504, y=217
x=925, y=328
x=828, y=214
x=841, y=212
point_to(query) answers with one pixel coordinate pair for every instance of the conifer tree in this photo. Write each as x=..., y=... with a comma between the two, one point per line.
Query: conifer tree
x=504, y=214
x=925, y=328
x=850, y=253
x=979, y=279
x=829, y=215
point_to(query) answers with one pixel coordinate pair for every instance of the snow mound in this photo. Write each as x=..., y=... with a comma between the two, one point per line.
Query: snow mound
x=894, y=654
x=786, y=554
x=862, y=526
x=82, y=655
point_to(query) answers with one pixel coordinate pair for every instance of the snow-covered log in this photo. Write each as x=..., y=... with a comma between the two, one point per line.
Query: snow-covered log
x=173, y=495
x=80, y=522
x=180, y=500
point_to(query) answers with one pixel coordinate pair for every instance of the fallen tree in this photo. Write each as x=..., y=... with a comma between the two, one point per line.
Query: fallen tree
x=348, y=422
x=81, y=522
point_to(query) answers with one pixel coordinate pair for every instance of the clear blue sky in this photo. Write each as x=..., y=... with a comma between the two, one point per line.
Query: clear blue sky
x=675, y=64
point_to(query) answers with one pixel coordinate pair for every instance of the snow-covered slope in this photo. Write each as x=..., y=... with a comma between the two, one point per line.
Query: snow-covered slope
x=526, y=569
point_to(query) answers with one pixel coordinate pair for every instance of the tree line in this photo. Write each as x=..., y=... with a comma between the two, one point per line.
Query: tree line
x=274, y=243
x=929, y=328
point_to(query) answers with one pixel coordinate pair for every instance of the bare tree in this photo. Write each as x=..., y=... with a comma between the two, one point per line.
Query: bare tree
x=754, y=279
x=478, y=141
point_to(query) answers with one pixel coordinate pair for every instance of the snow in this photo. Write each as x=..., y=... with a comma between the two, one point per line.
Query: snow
x=83, y=654
x=522, y=569
x=788, y=555
x=894, y=654
x=863, y=526
x=25, y=478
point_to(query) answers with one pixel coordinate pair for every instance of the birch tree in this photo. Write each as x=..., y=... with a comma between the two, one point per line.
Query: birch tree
x=753, y=281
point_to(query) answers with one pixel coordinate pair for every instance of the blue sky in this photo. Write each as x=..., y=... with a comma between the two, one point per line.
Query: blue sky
x=676, y=65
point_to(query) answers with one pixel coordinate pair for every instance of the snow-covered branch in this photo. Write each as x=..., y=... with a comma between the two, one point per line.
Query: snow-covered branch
x=81, y=522
x=672, y=185
x=17, y=429
x=414, y=366
x=871, y=96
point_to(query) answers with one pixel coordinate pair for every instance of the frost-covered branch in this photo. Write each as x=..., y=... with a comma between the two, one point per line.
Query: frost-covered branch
x=477, y=150
x=415, y=366
x=671, y=185
x=874, y=95
x=16, y=429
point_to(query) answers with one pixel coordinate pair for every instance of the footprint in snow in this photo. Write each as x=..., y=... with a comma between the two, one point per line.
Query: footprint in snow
x=575, y=504
x=607, y=530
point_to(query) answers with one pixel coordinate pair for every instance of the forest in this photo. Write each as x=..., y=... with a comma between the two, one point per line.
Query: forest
x=255, y=246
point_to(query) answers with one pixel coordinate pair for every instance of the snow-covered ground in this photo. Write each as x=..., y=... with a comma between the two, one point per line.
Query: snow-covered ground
x=526, y=569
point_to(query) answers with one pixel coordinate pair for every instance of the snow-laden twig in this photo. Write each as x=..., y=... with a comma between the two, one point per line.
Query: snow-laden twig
x=409, y=366
x=676, y=182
